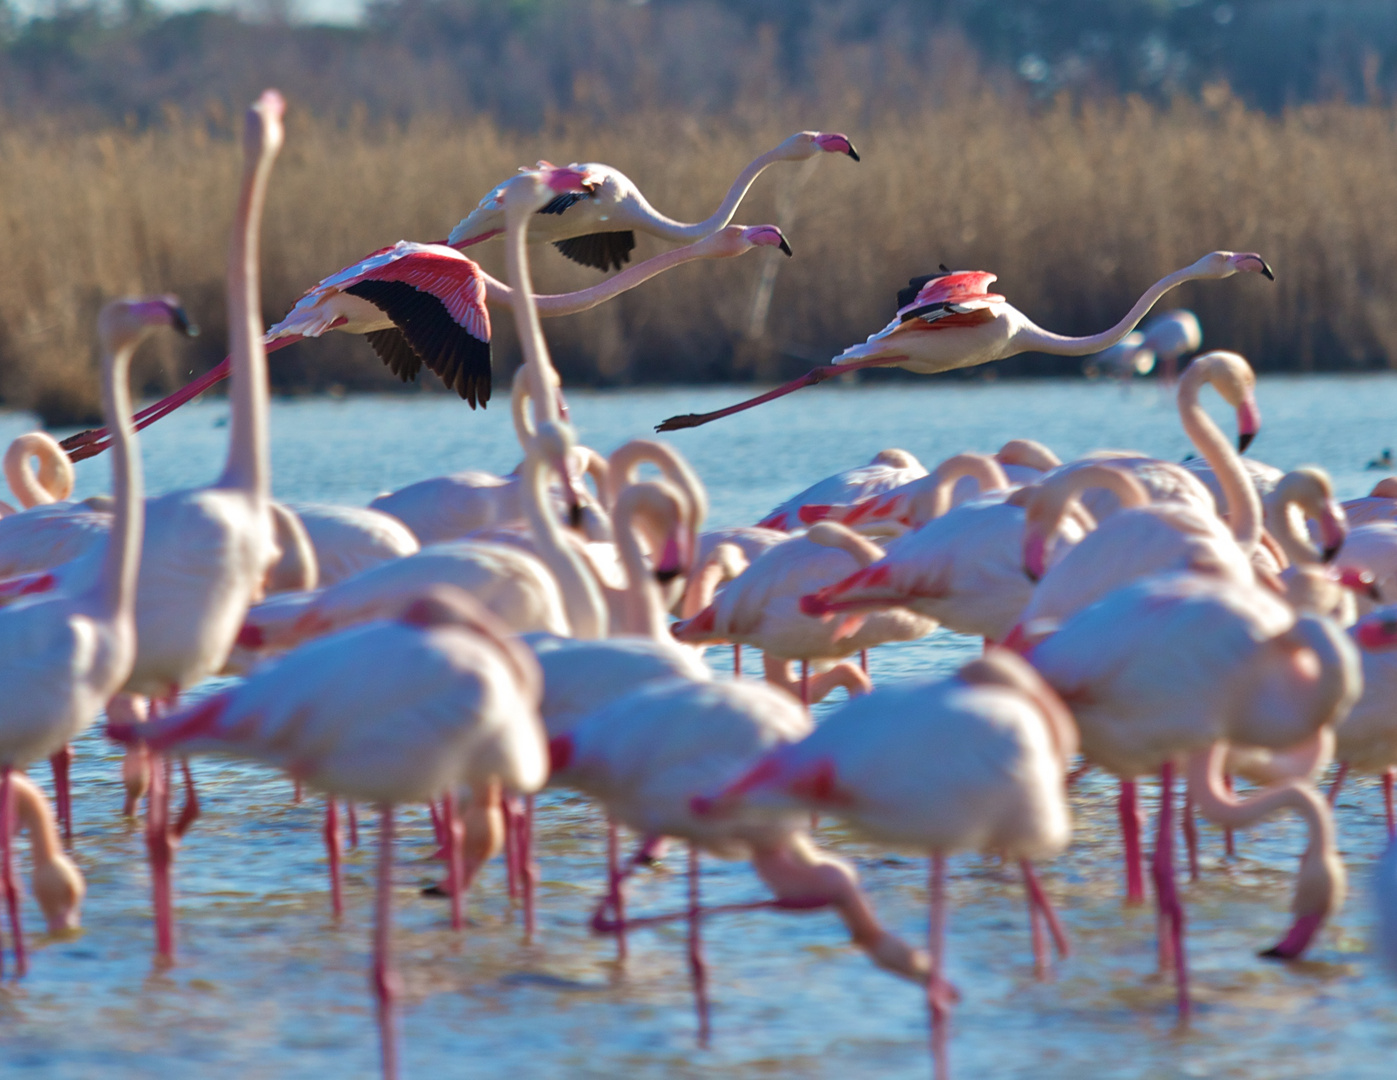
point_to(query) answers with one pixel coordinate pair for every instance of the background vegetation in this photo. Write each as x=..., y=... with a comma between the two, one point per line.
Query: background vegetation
x=1080, y=150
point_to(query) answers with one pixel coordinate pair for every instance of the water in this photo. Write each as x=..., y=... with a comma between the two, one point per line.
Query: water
x=268, y=986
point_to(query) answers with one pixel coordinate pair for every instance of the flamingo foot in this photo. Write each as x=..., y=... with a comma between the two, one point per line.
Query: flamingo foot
x=1297, y=940
x=651, y=851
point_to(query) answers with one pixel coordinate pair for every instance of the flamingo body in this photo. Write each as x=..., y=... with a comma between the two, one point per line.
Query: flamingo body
x=889, y=469
x=348, y=539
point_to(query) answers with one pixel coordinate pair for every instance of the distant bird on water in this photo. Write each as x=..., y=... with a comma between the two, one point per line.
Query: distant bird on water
x=948, y=320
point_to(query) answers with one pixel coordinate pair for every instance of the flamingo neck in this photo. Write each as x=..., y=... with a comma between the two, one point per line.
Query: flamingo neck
x=55, y=479
x=582, y=597
x=627, y=458
x=116, y=587
x=984, y=470
x=1243, y=503
x=1051, y=498
x=36, y=818
x=643, y=608
x=1033, y=338
x=831, y=534
x=248, y=468
x=1282, y=525
x=657, y=224
x=543, y=379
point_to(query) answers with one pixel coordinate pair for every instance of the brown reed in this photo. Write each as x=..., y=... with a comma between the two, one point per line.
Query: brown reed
x=1076, y=206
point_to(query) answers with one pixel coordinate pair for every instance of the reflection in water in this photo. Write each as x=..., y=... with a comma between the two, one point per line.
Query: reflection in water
x=268, y=985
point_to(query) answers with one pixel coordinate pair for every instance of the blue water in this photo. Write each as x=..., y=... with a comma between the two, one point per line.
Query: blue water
x=268, y=986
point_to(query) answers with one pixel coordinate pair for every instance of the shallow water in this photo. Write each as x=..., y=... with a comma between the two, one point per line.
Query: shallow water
x=267, y=986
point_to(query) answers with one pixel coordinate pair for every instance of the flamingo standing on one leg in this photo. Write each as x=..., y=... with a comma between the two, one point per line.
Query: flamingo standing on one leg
x=63, y=654
x=949, y=320
x=425, y=304
x=394, y=711
x=971, y=763
x=597, y=227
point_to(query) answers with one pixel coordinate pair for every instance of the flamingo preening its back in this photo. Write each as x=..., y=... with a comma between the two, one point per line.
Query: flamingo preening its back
x=949, y=320
x=425, y=305
x=597, y=227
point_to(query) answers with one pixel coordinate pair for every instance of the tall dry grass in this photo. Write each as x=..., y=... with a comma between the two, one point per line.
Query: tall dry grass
x=1076, y=207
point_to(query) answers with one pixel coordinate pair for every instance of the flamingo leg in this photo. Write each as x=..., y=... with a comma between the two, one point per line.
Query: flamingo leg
x=161, y=852
x=527, y=867
x=61, y=763
x=353, y=823
x=332, y=850
x=297, y=793
x=7, y=869
x=1339, y=778
x=1039, y=903
x=938, y=991
x=387, y=985
x=810, y=378
x=511, y=852
x=737, y=661
x=189, y=812
x=455, y=840
x=805, y=682
x=698, y=970
x=863, y=660
x=1129, y=807
x=1170, y=909
x=437, y=833
x=1190, y=837
x=616, y=897
x=1229, y=838
x=1387, y=803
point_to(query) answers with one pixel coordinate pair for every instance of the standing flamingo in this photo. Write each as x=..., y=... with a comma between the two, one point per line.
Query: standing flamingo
x=597, y=227
x=913, y=504
x=65, y=653
x=401, y=710
x=948, y=320
x=976, y=762
x=426, y=304
x=889, y=469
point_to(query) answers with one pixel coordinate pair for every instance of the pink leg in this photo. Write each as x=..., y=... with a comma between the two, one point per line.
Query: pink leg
x=62, y=792
x=1338, y=782
x=938, y=991
x=1170, y=909
x=613, y=876
x=697, y=969
x=7, y=869
x=1229, y=839
x=528, y=868
x=386, y=983
x=161, y=851
x=332, y=850
x=297, y=794
x=810, y=378
x=1038, y=901
x=511, y=852
x=353, y=823
x=1387, y=802
x=1130, y=833
x=189, y=812
x=737, y=661
x=437, y=832
x=1191, y=837
x=455, y=838
x=863, y=660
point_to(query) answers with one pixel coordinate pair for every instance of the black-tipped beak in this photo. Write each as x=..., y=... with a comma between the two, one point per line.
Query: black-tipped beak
x=181, y=322
x=575, y=515
x=785, y=247
x=852, y=152
x=1330, y=552
x=1244, y=440
x=664, y=577
x=1030, y=575
x=1266, y=271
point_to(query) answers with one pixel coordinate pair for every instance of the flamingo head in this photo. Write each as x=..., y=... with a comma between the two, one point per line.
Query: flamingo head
x=533, y=189
x=1233, y=378
x=804, y=145
x=554, y=442
x=59, y=888
x=832, y=142
x=123, y=322
x=263, y=133
x=1221, y=264
x=1377, y=631
x=766, y=236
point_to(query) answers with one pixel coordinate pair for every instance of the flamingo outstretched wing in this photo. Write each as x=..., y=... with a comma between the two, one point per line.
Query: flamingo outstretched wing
x=937, y=297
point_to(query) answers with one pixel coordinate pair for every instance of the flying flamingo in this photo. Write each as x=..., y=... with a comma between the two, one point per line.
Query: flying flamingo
x=65, y=653
x=597, y=227
x=1180, y=665
x=889, y=469
x=976, y=762
x=425, y=304
x=948, y=320
x=400, y=710
x=650, y=756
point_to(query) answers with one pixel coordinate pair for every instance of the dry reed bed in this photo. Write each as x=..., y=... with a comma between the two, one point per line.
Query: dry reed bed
x=1076, y=207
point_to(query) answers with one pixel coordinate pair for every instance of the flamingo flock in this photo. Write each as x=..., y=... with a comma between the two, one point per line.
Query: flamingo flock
x=470, y=640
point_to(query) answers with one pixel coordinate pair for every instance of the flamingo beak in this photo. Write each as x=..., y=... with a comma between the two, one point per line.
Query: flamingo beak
x=1297, y=940
x=1376, y=634
x=785, y=247
x=1034, y=553
x=671, y=563
x=1360, y=581
x=1333, y=529
x=181, y=321
x=1248, y=423
x=835, y=143
x=1251, y=262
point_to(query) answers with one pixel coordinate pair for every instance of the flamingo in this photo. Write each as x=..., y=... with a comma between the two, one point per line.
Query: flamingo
x=948, y=320
x=889, y=469
x=762, y=607
x=1366, y=740
x=65, y=653
x=348, y=539
x=55, y=879
x=913, y=504
x=651, y=755
x=975, y=762
x=398, y=710
x=1164, y=340
x=1380, y=504
x=426, y=304
x=1179, y=666
x=597, y=227
x=54, y=480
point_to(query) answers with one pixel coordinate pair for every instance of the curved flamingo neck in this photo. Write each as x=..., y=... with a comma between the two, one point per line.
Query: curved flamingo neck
x=115, y=589
x=1028, y=453
x=582, y=597
x=55, y=476
x=1033, y=338
x=644, y=610
x=831, y=534
x=1293, y=490
x=36, y=817
x=1049, y=502
x=983, y=469
x=1243, y=503
x=656, y=223
x=629, y=456
x=249, y=467
x=543, y=379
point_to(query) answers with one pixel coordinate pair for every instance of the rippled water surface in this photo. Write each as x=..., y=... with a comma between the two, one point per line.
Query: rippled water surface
x=268, y=986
